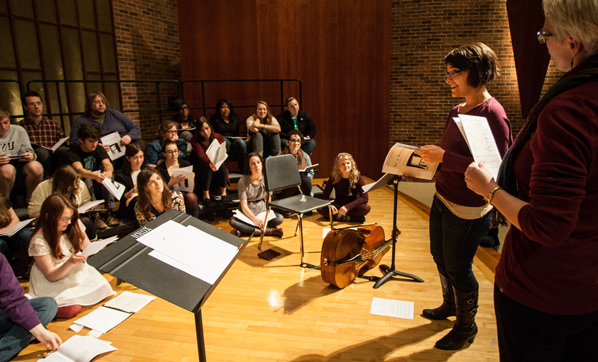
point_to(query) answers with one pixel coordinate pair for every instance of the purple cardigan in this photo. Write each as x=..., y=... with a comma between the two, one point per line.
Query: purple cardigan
x=450, y=179
x=12, y=301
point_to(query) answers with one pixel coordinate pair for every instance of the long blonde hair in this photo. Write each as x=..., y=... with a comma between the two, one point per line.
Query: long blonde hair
x=268, y=115
x=353, y=174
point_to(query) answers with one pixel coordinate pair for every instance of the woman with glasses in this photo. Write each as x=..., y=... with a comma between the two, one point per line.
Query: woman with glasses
x=166, y=168
x=293, y=147
x=155, y=197
x=60, y=270
x=546, y=289
x=184, y=120
x=167, y=132
x=459, y=218
x=263, y=131
x=207, y=174
x=127, y=175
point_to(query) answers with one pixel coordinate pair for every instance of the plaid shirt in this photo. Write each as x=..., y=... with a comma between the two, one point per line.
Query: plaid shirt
x=45, y=134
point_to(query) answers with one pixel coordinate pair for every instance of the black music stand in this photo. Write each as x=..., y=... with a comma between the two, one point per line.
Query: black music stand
x=130, y=261
x=389, y=272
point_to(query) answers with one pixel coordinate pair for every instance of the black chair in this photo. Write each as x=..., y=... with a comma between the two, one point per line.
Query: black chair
x=280, y=172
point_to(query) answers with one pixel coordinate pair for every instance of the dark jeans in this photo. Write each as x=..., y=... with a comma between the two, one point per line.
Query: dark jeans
x=14, y=337
x=237, y=150
x=265, y=143
x=453, y=244
x=17, y=244
x=291, y=191
x=206, y=179
x=525, y=334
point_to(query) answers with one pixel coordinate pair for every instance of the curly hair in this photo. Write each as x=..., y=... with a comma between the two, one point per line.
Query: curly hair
x=353, y=174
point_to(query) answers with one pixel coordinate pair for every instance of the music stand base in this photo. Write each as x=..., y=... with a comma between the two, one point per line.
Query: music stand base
x=310, y=266
x=389, y=273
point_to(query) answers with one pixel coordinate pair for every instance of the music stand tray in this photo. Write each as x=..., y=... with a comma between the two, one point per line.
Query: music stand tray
x=130, y=261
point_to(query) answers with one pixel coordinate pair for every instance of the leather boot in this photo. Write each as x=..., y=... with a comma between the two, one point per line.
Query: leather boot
x=447, y=309
x=465, y=328
x=276, y=232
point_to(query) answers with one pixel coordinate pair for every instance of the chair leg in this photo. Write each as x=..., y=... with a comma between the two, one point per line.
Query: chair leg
x=331, y=218
x=299, y=216
x=301, y=246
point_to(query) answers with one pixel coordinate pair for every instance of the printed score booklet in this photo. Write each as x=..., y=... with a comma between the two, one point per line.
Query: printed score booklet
x=403, y=161
x=79, y=349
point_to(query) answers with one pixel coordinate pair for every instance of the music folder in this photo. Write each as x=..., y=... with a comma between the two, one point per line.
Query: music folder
x=130, y=261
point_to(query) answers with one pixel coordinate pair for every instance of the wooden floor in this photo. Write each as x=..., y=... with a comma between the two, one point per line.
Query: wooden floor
x=277, y=311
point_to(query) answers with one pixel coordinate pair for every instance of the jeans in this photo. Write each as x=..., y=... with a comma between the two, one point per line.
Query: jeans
x=265, y=143
x=525, y=334
x=237, y=150
x=15, y=337
x=12, y=246
x=453, y=244
x=248, y=229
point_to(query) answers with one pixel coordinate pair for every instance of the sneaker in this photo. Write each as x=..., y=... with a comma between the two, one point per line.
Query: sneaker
x=208, y=202
x=111, y=220
x=217, y=197
x=99, y=223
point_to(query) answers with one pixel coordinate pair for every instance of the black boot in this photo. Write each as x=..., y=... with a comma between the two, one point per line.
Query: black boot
x=447, y=309
x=465, y=328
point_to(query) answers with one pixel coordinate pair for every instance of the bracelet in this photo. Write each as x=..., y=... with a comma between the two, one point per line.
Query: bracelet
x=491, y=194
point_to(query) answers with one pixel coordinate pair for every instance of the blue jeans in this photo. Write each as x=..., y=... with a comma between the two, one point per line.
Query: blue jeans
x=12, y=246
x=15, y=337
x=453, y=244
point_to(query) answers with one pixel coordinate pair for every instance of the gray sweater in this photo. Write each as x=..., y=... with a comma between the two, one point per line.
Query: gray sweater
x=15, y=142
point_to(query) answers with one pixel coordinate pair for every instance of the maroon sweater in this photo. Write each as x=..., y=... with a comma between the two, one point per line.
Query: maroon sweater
x=199, y=149
x=450, y=180
x=551, y=264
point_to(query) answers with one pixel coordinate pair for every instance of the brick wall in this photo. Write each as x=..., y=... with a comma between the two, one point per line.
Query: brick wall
x=423, y=32
x=147, y=40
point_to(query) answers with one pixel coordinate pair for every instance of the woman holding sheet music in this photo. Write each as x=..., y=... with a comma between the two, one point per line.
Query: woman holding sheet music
x=252, y=200
x=59, y=270
x=127, y=175
x=458, y=216
x=205, y=171
x=172, y=162
x=67, y=182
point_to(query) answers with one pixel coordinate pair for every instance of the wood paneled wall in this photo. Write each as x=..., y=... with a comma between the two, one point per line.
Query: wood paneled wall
x=340, y=50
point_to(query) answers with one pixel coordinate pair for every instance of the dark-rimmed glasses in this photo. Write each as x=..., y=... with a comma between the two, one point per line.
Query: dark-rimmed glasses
x=452, y=74
x=542, y=36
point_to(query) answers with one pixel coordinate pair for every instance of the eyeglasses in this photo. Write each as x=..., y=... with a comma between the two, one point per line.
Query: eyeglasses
x=295, y=141
x=65, y=219
x=452, y=74
x=172, y=152
x=542, y=36
x=170, y=132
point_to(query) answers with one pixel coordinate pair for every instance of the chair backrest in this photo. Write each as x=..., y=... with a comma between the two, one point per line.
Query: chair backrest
x=281, y=172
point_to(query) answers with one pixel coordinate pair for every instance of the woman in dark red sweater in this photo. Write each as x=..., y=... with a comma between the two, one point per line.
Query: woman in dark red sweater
x=546, y=286
x=206, y=172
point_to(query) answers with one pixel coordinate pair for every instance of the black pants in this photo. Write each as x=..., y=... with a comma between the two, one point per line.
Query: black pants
x=525, y=334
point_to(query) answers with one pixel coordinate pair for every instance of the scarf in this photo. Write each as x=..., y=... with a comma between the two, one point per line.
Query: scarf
x=585, y=72
x=300, y=156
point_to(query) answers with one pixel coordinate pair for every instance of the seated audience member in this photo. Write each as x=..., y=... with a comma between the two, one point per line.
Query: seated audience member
x=13, y=247
x=294, y=118
x=252, y=199
x=351, y=203
x=43, y=132
x=108, y=120
x=155, y=197
x=263, y=131
x=88, y=157
x=171, y=152
x=167, y=132
x=183, y=118
x=226, y=122
x=293, y=147
x=60, y=270
x=66, y=182
x=127, y=175
x=22, y=319
x=23, y=170
x=205, y=171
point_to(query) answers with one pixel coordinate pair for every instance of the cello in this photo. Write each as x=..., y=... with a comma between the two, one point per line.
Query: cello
x=348, y=253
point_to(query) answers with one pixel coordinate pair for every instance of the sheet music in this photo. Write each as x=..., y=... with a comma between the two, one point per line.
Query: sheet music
x=241, y=216
x=13, y=230
x=130, y=302
x=96, y=246
x=217, y=153
x=401, y=160
x=392, y=308
x=79, y=349
x=85, y=208
x=189, y=184
x=382, y=182
x=116, y=188
x=103, y=319
x=116, y=149
x=309, y=167
x=481, y=142
x=190, y=250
